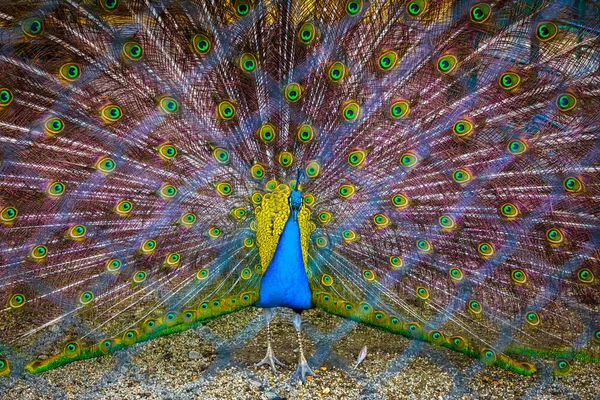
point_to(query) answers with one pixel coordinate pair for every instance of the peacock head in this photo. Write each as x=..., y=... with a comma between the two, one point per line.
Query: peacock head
x=296, y=199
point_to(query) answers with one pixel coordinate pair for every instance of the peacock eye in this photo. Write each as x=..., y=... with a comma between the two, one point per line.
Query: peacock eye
x=306, y=133
x=573, y=185
x=257, y=171
x=53, y=126
x=562, y=367
x=71, y=349
x=17, y=300
x=113, y=265
x=447, y=64
x=214, y=232
x=313, y=169
x=202, y=274
x=337, y=71
x=123, y=207
x=381, y=221
x=509, y=80
x=447, y=222
x=224, y=188
x=546, y=31
x=409, y=159
x=33, y=27
x=566, y=102
x=226, y=110
x=70, y=72
x=307, y=33
x=357, y=158
x=388, y=60
x=347, y=191
x=555, y=236
x=86, y=297
x=416, y=7
x=39, y=253
x=293, y=92
x=148, y=246
x=368, y=275
x=349, y=236
x=509, y=210
x=285, y=159
x=248, y=62
x=77, y=231
x=8, y=214
x=6, y=97
x=517, y=147
x=518, y=276
x=424, y=246
x=133, y=51
x=462, y=176
x=139, y=277
x=325, y=217
x=395, y=262
x=167, y=191
x=480, y=13
x=321, y=241
x=242, y=7
x=422, y=293
x=201, y=44
x=488, y=356
x=172, y=259
x=111, y=113
x=266, y=133
x=585, y=275
x=486, y=250
x=532, y=318
x=350, y=111
x=463, y=128
x=109, y=5
x=246, y=273
x=456, y=274
x=400, y=201
x=400, y=109
x=168, y=105
x=167, y=151
x=221, y=155
x=353, y=7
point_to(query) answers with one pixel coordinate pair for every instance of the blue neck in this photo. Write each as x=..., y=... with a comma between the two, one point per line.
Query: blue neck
x=285, y=283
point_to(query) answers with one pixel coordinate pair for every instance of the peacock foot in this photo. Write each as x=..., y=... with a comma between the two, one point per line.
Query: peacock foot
x=270, y=359
x=303, y=370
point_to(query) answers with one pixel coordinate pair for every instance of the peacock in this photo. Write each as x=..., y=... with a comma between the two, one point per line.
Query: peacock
x=428, y=168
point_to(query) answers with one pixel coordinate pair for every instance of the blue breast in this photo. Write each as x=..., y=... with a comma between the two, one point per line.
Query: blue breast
x=285, y=283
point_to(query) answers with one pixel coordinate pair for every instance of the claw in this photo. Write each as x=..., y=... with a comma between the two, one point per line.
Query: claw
x=270, y=359
x=303, y=370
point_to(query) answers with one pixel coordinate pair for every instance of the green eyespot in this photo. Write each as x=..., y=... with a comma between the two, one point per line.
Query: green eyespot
x=424, y=246
x=86, y=297
x=456, y=274
x=226, y=110
x=517, y=147
x=462, y=176
x=123, y=208
x=388, y=60
x=597, y=336
x=239, y=212
x=172, y=260
x=246, y=273
x=458, y=342
x=396, y=262
x=353, y=7
x=349, y=236
x=224, y=189
x=321, y=241
x=70, y=72
x=573, y=185
x=400, y=201
x=313, y=169
x=347, y=191
x=566, y=102
x=337, y=71
x=447, y=63
x=8, y=214
x=113, y=265
x=368, y=275
x=532, y=319
x=306, y=133
x=350, y=111
x=555, y=236
x=54, y=126
x=111, y=113
x=436, y=337
x=133, y=51
x=148, y=246
x=139, y=276
x=33, y=27
x=201, y=44
x=309, y=199
x=221, y=155
x=400, y=109
x=6, y=97
x=55, y=189
x=271, y=185
x=214, y=232
x=266, y=133
x=71, y=349
x=38, y=253
x=306, y=34
x=381, y=221
x=409, y=159
x=248, y=62
x=509, y=211
x=285, y=158
x=77, y=232
x=518, y=276
x=546, y=31
x=487, y=356
x=357, y=158
x=167, y=191
x=167, y=151
x=202, y=274
x=463, y=128
x=188, y=219
x=257, y=171
x=416, y=7
x=475, y=306
x=130, y=337
x=4, y=367
x=562, y=367
x=109, y=5
x=168, y=105
x=326, y=280
x=447, y=222
x=248, y=242
x=17, y=300
x=509, y=80
x=486, y=249
x=293, y=92
x=422, y=293
x=585, y=275
x=325, y=217
x=242, y=7
x=480, y=13
x=256, y=198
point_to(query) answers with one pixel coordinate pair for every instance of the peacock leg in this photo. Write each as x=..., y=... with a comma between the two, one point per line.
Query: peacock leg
x=270, y=357
x=303, y=367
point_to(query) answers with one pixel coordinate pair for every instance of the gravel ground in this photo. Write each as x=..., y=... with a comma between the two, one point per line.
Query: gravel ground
x=216, y=362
